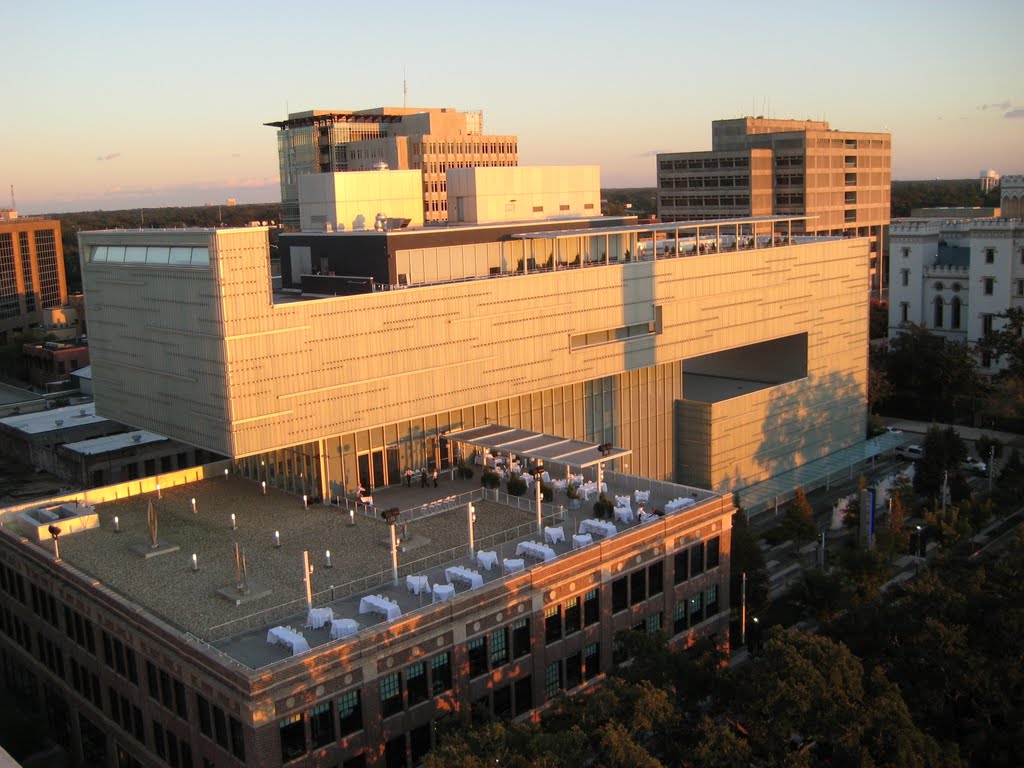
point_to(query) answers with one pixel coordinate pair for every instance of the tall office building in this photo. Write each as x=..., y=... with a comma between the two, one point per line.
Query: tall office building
x=429, y=140
x=32, y=276
x=839, y=180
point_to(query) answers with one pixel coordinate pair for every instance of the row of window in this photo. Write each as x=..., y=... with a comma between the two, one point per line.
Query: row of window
x=13, y=583
x=706, y=201
x=467, y=148
x=120, y=658
x=86, y=682
x=572, y=671
x=217, y=725
x=704, y=182
x=165, y=256
x=16, y=629
x=704, y=163
x=176, y=753
x=167, y=690
x=44, y=605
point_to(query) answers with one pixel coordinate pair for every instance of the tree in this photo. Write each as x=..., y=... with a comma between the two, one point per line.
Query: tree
x=746, y=557
x=931, y=375
x=799, y=520
x=879, y=386
x=1006, y=343
x=944, y=450
x=806, y=694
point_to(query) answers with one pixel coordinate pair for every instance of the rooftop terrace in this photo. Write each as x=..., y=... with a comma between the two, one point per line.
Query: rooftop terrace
x=359, y=541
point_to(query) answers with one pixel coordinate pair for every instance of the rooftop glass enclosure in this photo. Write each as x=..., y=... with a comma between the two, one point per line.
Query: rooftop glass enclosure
x=583, y=247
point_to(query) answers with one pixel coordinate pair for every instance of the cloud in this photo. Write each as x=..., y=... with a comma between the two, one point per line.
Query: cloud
x=111, y=156
x=1000, y=106
x=1018, y=112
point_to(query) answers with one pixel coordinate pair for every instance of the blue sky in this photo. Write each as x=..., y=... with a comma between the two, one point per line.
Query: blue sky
x=128, y=104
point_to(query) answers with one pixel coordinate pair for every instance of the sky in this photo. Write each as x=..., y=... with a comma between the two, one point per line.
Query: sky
x=113, y=105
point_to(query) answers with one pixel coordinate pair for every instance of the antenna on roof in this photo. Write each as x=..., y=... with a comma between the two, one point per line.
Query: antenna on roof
x=405, y=90
x=13, y=206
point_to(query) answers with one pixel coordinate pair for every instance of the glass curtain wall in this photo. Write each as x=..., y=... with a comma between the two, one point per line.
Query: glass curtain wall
x=632, y=409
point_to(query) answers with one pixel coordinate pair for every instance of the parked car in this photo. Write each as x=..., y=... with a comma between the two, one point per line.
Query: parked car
x=910, y=452
x=893, y=431
x=977, y=466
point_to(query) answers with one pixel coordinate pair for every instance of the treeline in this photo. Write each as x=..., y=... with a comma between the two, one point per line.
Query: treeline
x=940, y=193
x=153, y=218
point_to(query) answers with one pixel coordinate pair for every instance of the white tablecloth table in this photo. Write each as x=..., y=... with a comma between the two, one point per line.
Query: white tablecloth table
x=599, y=527
x=536, y=550
x=679, y=503
x=343, y=628
x=580, y=540
x=622, y=501
x=378, y=604
x=417, y=584
x=458, y=573
x=624, y=514
x=642, y=495
x=487, y=560
x=442, y=593
x=554, y=535
x=288, y=638
x=512, y=565
x=317, y=617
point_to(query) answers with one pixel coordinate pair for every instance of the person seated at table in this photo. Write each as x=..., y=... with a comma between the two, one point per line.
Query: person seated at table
x=658, y=512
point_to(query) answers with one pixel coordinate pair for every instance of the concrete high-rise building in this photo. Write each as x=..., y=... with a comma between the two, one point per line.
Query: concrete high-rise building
x=839, y=180
x=398, y=138
x=32, y=278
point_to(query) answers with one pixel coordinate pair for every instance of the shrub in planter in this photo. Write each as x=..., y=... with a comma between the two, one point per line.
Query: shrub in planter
x=547, y=492
x=490, y=479
x=603, y=507
x=464, y=470
x=573, y=493
x=516, y=486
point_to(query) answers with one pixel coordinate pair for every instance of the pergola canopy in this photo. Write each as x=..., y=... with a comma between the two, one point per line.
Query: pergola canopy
x=537, y=445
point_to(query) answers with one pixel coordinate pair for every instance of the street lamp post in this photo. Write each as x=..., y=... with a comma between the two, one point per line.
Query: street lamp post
x=920, y=547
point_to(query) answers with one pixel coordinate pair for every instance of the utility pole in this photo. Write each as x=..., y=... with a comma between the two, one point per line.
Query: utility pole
x=743, y=609
x=991, y=467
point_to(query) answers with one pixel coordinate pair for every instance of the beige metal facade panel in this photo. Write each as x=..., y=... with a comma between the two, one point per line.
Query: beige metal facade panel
x=307, y=370
x=158, y=343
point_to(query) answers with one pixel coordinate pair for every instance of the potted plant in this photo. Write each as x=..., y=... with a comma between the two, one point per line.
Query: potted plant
x=490, y=479
x=516, y=486
x=603, y=507
x=547, y=492
x=465, y=471
x=574, y=497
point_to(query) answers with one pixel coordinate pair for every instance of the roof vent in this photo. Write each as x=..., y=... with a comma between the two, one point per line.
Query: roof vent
x=136, y=438
x=59, y=422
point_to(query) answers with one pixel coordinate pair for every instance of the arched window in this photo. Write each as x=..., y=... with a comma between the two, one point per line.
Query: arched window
x=939, y=286
x=954, y=313
x=938, y=311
